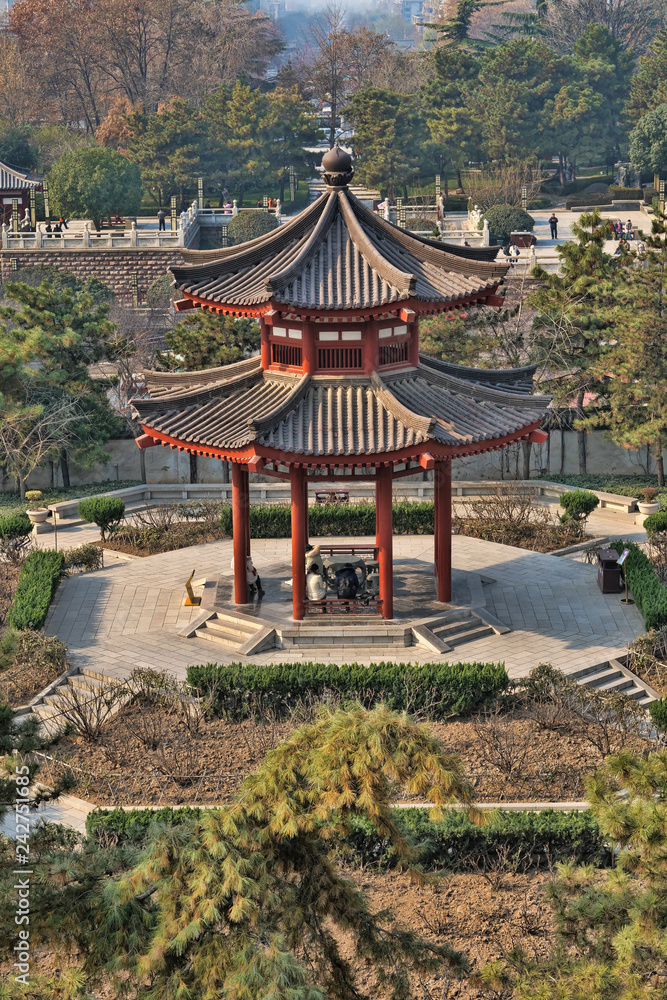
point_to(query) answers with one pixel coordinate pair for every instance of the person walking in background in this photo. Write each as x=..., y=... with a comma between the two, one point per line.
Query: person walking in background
x=553, y=225
x=63, y=223
x=160, y=220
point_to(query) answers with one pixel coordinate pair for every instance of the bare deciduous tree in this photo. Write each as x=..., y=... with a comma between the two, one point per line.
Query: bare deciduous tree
x=33, y=432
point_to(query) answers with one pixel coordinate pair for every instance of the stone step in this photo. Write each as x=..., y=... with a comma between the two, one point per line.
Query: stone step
x=228, y=639
x=470, y=635
x=599, y=676
x=462, y=624
x=228, y=626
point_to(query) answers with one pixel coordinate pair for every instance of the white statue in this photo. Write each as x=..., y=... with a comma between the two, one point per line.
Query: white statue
x=475, y=218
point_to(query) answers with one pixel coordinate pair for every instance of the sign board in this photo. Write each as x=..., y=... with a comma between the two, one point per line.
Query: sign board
x=623, y=556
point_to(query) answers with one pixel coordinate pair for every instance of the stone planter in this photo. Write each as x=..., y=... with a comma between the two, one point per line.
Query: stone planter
x=38, y=516
x=644, y=508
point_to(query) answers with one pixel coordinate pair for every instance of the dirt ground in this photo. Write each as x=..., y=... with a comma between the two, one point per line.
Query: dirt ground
x=150, y=757
x=479, y=916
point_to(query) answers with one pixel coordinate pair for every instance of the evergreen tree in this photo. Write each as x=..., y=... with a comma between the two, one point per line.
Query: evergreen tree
x=293, y=125
x=167, y=146
x=64, y=331
x=648, y=141
x=94, y=183
x=634, y=366
x=573, y=320
x=610, y=924
x=248, y=901
x=204, y=340
x=389, y=138
x=648, y=87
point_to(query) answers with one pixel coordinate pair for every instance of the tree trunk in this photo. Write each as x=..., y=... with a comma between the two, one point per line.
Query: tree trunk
x=142, y=464
x=405, y=193
x=20, y=482
x=193, y=468
x=581, y=435
x=64, y=469
x=527, y=447
x=241, y=193
x=660, y=465
x=446, y=190
x=282, y=188
x=459, y=181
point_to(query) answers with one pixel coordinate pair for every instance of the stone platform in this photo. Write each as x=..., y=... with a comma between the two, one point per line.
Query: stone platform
x=130, y=613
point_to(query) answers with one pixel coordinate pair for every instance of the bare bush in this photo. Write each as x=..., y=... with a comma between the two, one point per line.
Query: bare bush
x=147, y=724
x=509, y=515
x=501, y=745
x=502, y=865
x=547, y=693
x=647, y=656
x=88, y=708
x=502, y=184
x=180, y=760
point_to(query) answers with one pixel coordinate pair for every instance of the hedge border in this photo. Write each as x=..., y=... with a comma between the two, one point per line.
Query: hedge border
x=40, y=575
x=464, y=687
x=536, y=839
x=649, y=594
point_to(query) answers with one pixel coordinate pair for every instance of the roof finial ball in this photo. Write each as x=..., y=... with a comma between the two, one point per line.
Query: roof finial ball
x=337, y=166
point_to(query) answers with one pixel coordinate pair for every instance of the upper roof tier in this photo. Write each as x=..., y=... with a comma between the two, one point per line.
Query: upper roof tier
x=337, y=254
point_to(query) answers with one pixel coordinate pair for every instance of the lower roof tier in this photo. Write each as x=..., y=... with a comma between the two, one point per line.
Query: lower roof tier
x=228, y=409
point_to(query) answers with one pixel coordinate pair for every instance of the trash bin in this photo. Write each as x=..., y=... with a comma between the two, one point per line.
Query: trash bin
x=610, y=577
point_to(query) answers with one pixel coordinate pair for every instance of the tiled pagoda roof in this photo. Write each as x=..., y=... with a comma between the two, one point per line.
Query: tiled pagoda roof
x=337, y=416
x=337, y=254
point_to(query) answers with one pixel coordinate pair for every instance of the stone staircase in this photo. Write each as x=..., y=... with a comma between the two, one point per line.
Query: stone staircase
x=87, y=683
x=235, y=633
x=615, y=676
x=455, y=628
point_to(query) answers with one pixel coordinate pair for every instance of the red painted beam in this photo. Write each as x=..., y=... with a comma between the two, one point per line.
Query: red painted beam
x=426, y=461
x=145, y=441
x=538, y=437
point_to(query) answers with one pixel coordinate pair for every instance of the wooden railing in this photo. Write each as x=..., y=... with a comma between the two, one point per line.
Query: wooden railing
x=358, y=606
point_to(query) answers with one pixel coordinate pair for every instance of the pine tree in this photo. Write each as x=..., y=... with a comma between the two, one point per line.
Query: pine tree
x=203, y=340
x=573, y=320
x=634, y=367
x=248, y=901
x=611, y=942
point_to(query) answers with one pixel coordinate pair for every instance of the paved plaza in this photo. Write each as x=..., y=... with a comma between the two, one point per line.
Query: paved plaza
x=128, y=614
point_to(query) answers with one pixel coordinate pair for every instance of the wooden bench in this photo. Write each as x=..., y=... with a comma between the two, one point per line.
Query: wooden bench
x=332, y=496
x=349, y=550
x=358, y=606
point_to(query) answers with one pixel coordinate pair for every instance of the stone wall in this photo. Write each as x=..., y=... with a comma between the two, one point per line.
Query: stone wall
x=162, y=465
x=113, y=267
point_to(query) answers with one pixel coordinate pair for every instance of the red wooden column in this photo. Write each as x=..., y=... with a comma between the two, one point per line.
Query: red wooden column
x=442, y=493
x=299, y=514
x=384, y=536
x=306, y=538
x=240, y=530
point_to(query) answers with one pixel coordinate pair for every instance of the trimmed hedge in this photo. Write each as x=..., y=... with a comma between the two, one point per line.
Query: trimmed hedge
x=463, y=687
x=351, y=519
x=648, y=592
x=39, y=578
x=533, y=838
x=105, y=512
x=15, y=526
x=626, y=486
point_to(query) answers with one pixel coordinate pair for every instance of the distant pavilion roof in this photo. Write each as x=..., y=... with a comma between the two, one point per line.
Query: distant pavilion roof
x=11, y=180
x=337, y=254
x=242, y=405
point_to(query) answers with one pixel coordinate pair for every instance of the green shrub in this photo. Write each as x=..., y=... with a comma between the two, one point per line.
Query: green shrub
x=658, y=712
x=15, y=534
x=238, y=691
x=648, y=592
x=537, y=839
x=249, y=225
x=627, y=486
x=354, y=519
x=39, y=578
x=132, y=825
x=625, y=193
x=85, y=557
x=504, y=220
x=105, y=512
x=656, y=523
x=160, y=292
x=577, y=504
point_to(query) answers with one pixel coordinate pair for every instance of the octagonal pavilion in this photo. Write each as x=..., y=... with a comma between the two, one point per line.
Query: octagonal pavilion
x=340, y=391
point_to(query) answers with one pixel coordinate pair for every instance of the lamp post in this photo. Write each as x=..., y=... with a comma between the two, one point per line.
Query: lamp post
x=200, y=192
x=174, y=223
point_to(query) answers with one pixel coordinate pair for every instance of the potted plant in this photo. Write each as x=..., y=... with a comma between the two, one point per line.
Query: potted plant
x=649, y=504
x=35, y=512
